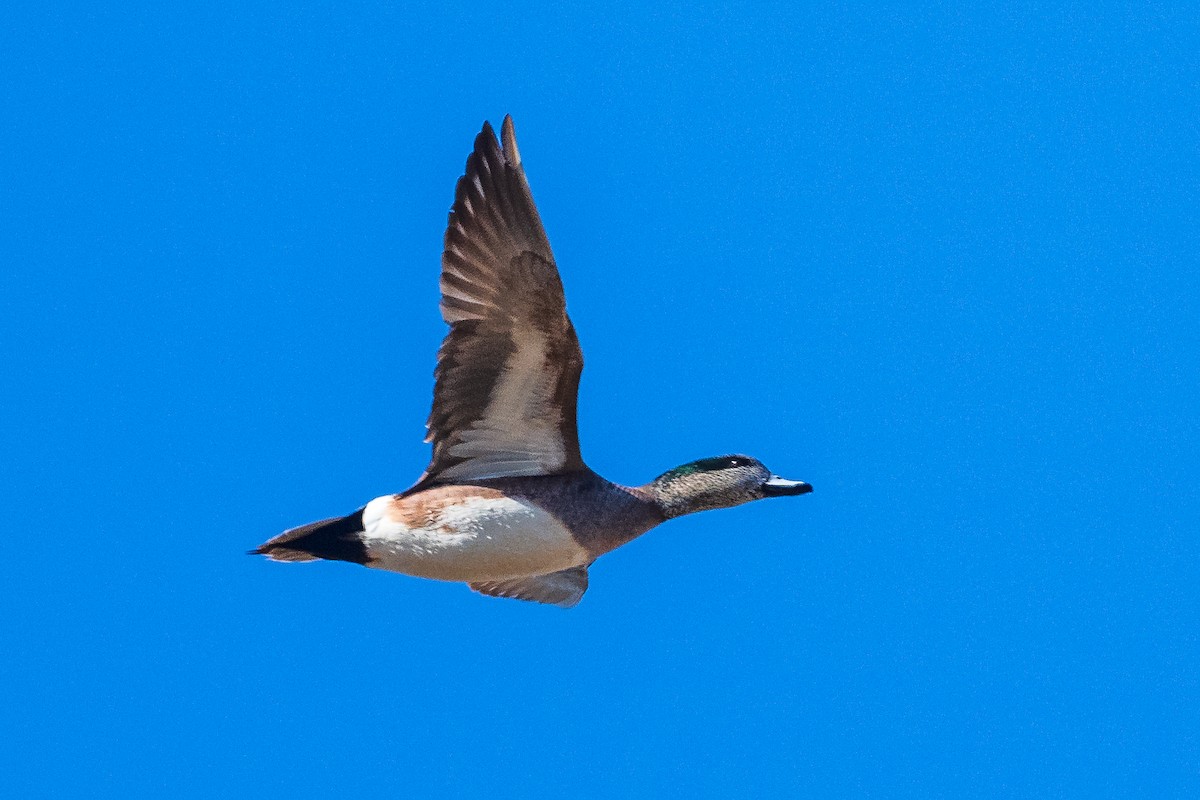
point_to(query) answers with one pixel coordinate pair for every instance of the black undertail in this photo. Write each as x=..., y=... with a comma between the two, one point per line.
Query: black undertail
x=337, y=539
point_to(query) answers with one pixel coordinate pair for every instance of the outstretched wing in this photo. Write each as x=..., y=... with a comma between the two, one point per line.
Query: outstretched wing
x=508, y=372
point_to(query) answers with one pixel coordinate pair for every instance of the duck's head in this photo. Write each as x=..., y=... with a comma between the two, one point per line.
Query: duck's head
x=719, y=482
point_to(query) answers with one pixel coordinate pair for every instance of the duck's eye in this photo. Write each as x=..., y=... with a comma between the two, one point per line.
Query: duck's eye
x=721, y=462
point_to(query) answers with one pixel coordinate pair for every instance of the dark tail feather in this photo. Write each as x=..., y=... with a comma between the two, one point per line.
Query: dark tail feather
x=336, y=539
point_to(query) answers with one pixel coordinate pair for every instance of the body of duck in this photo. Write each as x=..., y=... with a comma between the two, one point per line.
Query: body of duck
x=504, y=528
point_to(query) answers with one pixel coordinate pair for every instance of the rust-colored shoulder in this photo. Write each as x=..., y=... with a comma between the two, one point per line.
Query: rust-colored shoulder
x=424, y=509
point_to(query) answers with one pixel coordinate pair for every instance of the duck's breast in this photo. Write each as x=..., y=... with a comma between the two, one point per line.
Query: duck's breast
x=466, y=533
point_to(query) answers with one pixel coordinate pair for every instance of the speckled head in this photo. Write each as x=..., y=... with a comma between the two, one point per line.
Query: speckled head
x=719, y=482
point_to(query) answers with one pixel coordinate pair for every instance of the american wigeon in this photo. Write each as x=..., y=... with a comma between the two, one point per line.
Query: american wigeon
x=507, y=504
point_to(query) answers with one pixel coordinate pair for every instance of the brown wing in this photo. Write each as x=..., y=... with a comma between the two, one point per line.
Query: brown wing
x=564, y=589
x=508, y=372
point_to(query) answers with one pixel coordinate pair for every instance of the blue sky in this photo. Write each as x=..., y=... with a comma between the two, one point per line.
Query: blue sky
x=939, y=262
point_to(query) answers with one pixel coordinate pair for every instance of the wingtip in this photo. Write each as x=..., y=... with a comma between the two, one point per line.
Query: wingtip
x=487, y=135
x=508, y=136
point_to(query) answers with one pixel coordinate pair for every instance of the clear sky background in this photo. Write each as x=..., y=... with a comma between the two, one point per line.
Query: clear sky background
x=940, y=262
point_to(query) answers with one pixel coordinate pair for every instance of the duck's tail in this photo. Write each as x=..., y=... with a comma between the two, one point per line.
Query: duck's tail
x=337, y=539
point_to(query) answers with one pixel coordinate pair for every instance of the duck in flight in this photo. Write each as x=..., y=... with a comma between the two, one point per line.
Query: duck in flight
x=507, y=504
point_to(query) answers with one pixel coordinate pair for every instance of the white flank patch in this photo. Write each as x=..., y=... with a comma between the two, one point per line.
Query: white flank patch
x=478, y=539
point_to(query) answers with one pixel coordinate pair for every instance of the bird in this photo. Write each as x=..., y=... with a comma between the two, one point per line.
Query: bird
x=507, y=504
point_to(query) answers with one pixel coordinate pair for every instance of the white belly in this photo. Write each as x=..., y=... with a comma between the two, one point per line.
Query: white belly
x=478, y=539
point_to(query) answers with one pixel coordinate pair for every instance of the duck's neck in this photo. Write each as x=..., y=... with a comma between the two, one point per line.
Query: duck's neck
x=670, y=498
